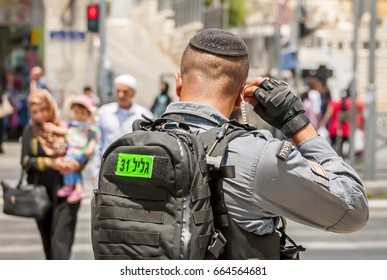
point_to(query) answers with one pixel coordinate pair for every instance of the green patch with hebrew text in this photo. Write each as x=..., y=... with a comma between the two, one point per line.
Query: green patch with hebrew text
x=132, y=165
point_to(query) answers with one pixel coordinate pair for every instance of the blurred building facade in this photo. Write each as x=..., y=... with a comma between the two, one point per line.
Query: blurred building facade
x=54, y=34
x=330, y=45
x=21, y=39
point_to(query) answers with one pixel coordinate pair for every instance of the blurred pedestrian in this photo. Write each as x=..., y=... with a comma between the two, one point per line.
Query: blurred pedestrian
x=88, y=91
x=1, y=134
x=308, y=106
x=1, y=123
x=17, y=120
x=116, y=118
x=37, y=80
x=81, y=139
x=325, y=98
x=339, y=117
x=161, y=101
x=41, y=151
x=314, y=95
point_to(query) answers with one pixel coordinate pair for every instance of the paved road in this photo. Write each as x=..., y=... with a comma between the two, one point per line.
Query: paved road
x=369, y=243
x=19, y=238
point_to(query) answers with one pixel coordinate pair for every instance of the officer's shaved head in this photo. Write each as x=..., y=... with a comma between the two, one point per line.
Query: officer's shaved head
x=217, y=56
x=213, y=66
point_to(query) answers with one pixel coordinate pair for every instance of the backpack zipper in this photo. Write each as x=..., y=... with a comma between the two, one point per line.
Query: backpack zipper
x=185, y=232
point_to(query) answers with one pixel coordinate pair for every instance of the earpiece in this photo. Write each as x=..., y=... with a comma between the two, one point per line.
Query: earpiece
x=243, y=110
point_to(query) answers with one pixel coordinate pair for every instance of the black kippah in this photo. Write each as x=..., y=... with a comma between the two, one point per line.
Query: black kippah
x=219, y=42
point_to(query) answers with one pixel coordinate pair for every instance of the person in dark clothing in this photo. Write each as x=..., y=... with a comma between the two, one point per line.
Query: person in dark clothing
x=1, y=136
x=1, y=124
x=162, y=100
x=40, y=158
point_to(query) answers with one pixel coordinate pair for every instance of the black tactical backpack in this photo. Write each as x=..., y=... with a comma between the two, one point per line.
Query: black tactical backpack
x=153, y=194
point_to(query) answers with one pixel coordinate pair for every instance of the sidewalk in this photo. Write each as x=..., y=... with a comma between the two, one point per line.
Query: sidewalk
x=10, y=171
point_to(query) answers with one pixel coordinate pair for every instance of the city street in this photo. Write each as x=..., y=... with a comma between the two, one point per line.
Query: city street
x=19, y=238
x=370, y=243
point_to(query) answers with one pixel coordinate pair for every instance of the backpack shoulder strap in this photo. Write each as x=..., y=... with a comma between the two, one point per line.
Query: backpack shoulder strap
x=216, y=141
x=291, y=252
x=173, y=120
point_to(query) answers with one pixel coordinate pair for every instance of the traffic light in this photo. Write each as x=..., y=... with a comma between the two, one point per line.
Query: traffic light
x=93, y=18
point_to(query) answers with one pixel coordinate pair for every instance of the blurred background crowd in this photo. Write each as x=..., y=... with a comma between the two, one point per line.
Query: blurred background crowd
x=85, y=44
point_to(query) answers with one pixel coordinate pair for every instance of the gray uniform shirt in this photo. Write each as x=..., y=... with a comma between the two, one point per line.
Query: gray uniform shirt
x=313, y=186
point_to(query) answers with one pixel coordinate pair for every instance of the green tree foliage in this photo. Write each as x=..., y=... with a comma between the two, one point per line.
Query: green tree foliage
x=208, y=2
x=237, y=11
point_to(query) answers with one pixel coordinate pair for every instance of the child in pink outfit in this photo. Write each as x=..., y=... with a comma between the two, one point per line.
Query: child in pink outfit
x=81, y=137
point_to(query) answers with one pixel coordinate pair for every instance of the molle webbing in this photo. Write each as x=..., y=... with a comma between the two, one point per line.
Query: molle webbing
x=200, y=193
x=128, y=191
x=141, y=238
x=201, y=217
x=130, y=214
x=129, y=237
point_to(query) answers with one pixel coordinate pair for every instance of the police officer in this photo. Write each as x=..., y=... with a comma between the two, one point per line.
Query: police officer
x=302, y=179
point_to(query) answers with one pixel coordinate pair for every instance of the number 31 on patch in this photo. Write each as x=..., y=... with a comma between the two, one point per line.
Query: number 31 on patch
x=132, y=165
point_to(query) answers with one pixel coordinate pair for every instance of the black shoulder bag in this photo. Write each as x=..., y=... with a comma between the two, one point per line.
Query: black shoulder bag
x=25, y=200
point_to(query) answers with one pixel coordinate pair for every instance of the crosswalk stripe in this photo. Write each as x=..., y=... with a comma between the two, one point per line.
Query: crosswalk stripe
x=298, y=234
x=32, y=248
x=324, y=246
x=317, y=245
x=35, y=236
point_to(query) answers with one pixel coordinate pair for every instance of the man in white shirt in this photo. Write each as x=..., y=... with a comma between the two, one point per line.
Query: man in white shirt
x=115, y=119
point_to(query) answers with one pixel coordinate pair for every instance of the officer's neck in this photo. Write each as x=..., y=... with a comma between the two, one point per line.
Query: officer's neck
x=211, y=96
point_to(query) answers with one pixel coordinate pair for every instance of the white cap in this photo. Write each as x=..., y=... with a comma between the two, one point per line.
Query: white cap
x=127, y=80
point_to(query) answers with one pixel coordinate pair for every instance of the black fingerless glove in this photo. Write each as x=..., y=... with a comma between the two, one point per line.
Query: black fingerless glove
x=279, y=107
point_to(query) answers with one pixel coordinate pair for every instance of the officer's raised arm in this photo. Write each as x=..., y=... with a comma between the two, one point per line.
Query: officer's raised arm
x=308, y=183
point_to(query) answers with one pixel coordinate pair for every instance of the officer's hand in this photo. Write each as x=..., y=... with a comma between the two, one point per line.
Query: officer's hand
x=277, y=105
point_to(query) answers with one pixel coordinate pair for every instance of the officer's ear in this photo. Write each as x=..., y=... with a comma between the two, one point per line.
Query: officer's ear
x=179, y=84
x=238, y=100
